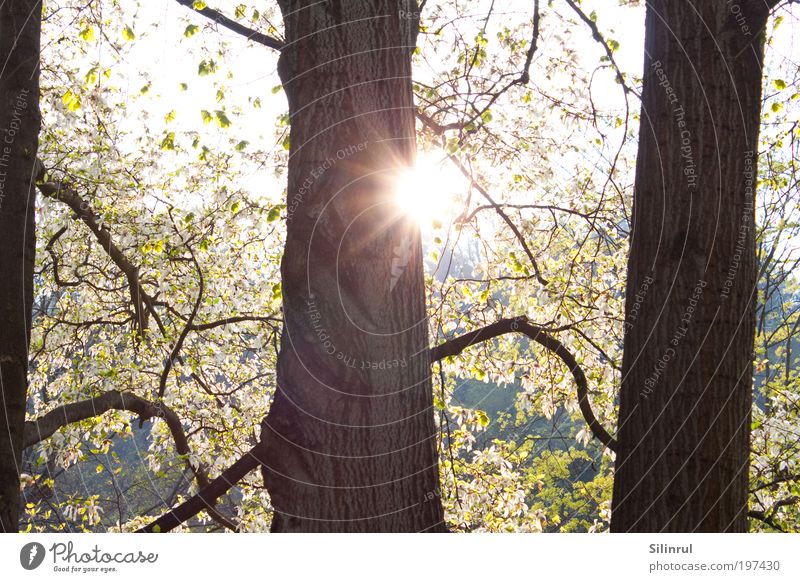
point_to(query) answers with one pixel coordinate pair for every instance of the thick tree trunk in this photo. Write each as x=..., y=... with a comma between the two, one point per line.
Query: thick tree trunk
x=20, y=23
x=350, y=438
x=682, y=462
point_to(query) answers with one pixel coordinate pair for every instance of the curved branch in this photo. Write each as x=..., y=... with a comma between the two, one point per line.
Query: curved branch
x=439, y=130
x=44, y=427
x=249, y=461
x=788, y=478
x=219, y=18
x=37, y=430
x=502, y=213
x=54, y=257
x=539, y=335
x=207, y=496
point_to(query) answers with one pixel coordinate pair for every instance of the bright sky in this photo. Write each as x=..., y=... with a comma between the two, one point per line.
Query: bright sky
x=163, y=54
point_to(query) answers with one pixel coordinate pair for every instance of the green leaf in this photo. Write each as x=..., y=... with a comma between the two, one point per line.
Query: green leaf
x=91, y=78
x=206, y=68
x=452, y=145
x=168, y=143
x=191, y=30
x=87, y=33
x=483, y=418
x=222, y=119
x=71, y=100
x=207, y=117
x=274, y=214
x=199, y=5
x=779, y=84
x=127, y=33
x=240, y=147
x=183, y=86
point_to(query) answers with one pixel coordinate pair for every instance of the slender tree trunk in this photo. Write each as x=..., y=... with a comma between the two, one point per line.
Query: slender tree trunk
x=20, y=23
x=350, y=438
x=682, y=463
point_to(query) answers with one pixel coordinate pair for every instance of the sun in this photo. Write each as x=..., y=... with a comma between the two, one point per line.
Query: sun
x=430, y=191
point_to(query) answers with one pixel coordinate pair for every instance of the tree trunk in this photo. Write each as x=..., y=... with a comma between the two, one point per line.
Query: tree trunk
x=349, y=441
x=682, y=463
x=20, y=24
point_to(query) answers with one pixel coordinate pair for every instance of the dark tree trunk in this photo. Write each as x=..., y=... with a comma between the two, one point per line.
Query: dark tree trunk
x=350, y=442
x=682, y=462
x=20, y=23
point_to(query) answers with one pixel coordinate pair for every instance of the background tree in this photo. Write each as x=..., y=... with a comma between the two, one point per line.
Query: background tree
x=20, y=23
x=685, y=403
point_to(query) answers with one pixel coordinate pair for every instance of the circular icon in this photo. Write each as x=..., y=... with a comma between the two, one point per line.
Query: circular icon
x=31, y=555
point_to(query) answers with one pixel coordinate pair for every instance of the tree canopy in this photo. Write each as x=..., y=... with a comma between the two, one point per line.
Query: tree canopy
x=161, y=223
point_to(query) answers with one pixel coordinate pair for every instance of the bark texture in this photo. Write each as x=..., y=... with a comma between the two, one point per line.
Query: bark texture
x=20, y=23
x=682, y=461
x=349, y=442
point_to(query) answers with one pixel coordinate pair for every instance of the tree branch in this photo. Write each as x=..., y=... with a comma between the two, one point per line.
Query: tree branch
x=249, y=461
x=766, y=515
x=599, y=38
x=141, y=300
x=176, y=350
x=439, y=130
x=539, y=335
x=219, y=18
x=44, y=427
x=37, y=430
x=206, y=496
x=788, y=478
x=499, y=209
x=233, y=319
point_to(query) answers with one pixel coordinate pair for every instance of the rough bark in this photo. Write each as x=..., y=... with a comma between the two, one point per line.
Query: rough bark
x=682, y=461
x=20, y=23
x=349, y=441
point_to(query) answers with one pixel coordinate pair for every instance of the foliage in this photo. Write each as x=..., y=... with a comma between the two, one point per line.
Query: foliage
x=173, y=131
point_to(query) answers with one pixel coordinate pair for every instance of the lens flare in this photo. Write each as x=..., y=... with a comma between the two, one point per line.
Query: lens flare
x=430, y=191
